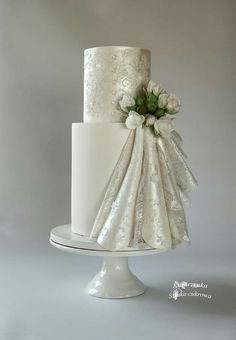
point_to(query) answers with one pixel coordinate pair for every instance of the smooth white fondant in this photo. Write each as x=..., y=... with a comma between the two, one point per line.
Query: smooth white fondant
x=96, y=148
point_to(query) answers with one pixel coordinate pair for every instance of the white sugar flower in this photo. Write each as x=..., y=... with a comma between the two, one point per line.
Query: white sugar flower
x=173, y=105
x=134, y=120
x=158, y=89
x=150, y=120
x=126, y=101
x=163, y=100
x=150, y=86
x=155, y=88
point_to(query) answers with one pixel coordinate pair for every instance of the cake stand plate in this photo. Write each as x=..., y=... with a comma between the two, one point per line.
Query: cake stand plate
x=114, y=280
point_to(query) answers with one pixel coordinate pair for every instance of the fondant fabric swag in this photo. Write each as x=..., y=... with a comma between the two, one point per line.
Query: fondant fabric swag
x=144, y=201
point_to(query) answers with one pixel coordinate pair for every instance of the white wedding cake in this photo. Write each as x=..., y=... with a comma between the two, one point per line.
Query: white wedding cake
x=129, y=173
x=109, y=73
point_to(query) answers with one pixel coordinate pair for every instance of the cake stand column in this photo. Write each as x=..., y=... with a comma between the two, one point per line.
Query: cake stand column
x=115, y=280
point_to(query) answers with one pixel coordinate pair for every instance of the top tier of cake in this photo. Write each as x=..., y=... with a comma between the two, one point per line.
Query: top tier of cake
x=109, y=72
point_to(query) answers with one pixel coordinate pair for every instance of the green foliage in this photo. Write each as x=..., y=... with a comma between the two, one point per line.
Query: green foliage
x=131, y=108
x=139, y=101
x=151, y=102
x=159, y=113
x=151, y=107
x=147, y=103
x=141, y=107
x=151, y=98
x=142, y=110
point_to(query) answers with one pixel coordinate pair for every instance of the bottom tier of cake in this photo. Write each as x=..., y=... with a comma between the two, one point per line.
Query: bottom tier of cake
x=96, y=148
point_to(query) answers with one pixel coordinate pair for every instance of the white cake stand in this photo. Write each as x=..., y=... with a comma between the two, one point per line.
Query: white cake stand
x=115, y=280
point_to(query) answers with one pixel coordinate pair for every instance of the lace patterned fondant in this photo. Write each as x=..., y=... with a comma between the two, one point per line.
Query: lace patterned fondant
x=143, y=203
x=109, y=72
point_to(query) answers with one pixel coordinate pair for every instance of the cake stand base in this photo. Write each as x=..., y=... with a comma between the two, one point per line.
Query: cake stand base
x=115, y=280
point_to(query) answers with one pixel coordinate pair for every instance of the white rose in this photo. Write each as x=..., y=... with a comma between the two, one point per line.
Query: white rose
x=163, y=100
x=158, y=89
x=126, y=101
x=173, y=105
x=151, y=86
x=150, y=120
x=155, y=88
x=134, y=120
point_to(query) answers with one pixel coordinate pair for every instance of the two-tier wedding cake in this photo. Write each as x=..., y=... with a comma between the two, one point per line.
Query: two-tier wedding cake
x=129, y=173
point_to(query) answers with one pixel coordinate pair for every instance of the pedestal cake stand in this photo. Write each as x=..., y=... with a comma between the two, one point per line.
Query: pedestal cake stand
x=115, y=280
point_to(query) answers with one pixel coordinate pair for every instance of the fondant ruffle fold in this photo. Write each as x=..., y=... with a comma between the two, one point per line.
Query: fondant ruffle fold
x=143, y=203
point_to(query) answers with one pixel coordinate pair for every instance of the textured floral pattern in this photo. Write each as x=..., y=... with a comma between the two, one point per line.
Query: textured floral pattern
x=109, y=73
x=144, y=200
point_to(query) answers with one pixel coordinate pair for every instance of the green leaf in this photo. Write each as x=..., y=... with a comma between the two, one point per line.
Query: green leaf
x=159, y=113
x=139, y=101
x=151, y=107
x=131, y=108
x=151, y=98
x=142, y=110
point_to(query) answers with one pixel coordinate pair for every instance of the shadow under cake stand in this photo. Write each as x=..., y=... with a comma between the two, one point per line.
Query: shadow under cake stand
x=114, y=280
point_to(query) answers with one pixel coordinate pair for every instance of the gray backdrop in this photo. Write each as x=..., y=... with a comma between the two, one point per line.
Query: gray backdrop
x=41, y=89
